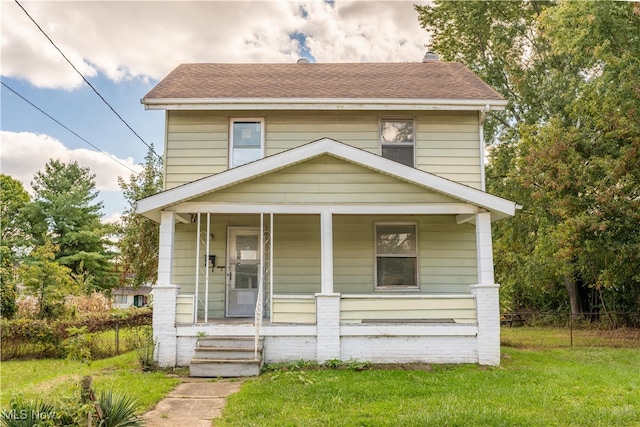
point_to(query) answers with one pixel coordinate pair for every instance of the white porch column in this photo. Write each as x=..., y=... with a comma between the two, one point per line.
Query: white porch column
x=326, y=252
x=327, y=302
x=484, y=249
x=165, y=296
x=486, y=293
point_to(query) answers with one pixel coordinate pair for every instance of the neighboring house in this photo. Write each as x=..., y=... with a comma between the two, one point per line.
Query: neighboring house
x=337, y=211
x=130, y=297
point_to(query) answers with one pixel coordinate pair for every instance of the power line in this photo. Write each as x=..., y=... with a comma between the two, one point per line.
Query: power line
x=87, y=81
x=55, y=120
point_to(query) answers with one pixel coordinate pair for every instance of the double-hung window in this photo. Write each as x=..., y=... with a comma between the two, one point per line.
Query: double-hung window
x=396, y=255
x=246, y=141
x=397, y=140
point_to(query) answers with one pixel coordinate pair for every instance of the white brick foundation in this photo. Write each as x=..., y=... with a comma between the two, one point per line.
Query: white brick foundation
x=164, y=323
x=488, y=312
x=328, y=326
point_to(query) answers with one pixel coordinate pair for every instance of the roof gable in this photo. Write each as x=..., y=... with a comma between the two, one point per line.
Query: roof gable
x=151, y=206
x=326, y=180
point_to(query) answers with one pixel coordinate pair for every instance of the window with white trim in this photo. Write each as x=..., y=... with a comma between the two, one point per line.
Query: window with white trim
x=397, y=140
x=396, y=255
x=246, y=141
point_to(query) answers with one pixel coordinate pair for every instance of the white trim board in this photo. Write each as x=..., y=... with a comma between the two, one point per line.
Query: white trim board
x=386, y=104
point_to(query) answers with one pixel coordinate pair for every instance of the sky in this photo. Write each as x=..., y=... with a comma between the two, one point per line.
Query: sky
x=124, y=48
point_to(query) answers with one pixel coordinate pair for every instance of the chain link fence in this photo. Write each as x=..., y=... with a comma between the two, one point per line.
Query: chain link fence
x=557, y=329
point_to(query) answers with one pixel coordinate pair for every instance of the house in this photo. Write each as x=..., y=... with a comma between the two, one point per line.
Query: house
x=326, y=211
x=130, y=297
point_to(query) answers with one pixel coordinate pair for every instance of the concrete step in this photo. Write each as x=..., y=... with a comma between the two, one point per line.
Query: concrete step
x=229, y=353
x=212, y=368
x=229, y=342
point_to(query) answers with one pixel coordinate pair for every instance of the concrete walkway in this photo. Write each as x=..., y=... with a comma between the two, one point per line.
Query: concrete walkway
x=194, y=403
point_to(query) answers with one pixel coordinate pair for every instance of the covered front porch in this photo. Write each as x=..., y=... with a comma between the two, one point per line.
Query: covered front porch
x=316, y=296
x=328, y=252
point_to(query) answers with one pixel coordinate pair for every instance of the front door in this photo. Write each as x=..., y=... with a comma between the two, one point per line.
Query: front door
x=243, y=264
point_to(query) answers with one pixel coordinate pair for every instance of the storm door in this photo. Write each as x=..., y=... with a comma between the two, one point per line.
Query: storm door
x=243, y=265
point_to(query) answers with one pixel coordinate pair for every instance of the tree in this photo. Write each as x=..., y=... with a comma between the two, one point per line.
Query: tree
x=13, y=227
x=49, y=281
x=566, y=147
x=13, y=240
x=139, y=240
x=63, y=211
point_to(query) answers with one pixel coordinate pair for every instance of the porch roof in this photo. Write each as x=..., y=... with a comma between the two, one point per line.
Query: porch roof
x=499, y=207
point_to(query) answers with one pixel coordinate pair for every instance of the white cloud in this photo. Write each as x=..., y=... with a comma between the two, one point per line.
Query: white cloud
x=25, y=153
x=357, y=31
x=149, y=38
x=113, y=218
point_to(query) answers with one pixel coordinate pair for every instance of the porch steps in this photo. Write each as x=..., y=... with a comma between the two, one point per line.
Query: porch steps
x=228, y=356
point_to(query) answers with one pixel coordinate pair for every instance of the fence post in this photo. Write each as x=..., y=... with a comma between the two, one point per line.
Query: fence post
x=117, y=338
x=571, y=330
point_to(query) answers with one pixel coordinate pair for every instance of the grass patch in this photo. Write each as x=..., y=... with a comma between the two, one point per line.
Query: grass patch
x=55, y=379
x=569, y=387
x=553, y=337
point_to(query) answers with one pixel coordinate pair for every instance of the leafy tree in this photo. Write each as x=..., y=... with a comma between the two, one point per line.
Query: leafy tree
x=139, y=240
x=13, y=240
x=566, y=147
x=49, y=281
x=13, y=228
x=63, y=210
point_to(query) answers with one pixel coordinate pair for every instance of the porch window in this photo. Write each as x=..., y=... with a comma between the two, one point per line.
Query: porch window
x=396, y=255
x=397, y=140
x=246, y=141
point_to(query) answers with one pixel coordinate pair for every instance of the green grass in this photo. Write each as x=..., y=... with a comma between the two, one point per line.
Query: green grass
x=553, y=337
x=55, y=379
x=557, y=387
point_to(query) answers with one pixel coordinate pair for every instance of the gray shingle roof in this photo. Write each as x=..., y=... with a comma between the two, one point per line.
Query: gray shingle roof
x=421, y=80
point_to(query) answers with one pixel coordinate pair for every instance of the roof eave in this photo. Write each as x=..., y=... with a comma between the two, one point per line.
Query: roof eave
x=322, y=104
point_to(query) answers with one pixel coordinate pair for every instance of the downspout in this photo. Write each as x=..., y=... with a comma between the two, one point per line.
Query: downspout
x=482, y=116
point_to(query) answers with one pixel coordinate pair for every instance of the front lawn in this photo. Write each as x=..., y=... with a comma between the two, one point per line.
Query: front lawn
x=57, y=379
x=568, y=387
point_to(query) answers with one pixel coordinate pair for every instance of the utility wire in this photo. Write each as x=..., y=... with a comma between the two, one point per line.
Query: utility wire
x=55, y=120
x=87, y=81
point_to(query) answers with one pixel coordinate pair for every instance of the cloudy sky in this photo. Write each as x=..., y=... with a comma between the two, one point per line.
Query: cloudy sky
x=125, y=47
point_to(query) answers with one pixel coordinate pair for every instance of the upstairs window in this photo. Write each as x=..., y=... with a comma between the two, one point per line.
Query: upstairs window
x=396, y=255
x=397, y=140
x=246, y=141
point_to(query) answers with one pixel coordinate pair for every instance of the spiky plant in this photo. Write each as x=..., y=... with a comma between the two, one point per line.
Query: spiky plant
x=119, y=410
x=28, y=413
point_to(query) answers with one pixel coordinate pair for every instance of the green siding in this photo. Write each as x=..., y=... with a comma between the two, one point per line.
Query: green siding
x=460, y=310
x=326, y=180
x=446, y=250
x=447, y=142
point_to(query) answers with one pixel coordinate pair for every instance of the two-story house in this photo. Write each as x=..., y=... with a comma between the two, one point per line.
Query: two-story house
x=325, y=211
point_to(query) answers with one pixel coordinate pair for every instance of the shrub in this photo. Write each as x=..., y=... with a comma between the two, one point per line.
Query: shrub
x=36, y=338
x=119, y=410
x=28, y=413
x=145, y=347
x=87, y=304
x=78, y=346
